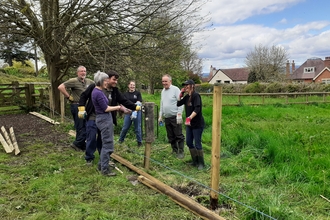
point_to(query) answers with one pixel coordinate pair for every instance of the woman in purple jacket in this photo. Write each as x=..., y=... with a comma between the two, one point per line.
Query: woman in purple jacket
x=104, y=121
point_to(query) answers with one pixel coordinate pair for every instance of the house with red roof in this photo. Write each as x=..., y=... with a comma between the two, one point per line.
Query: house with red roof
x=233, y=75
x=312, y=70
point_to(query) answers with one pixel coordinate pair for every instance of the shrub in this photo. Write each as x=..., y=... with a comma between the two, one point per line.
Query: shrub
x=254, y=88
x=274, y=88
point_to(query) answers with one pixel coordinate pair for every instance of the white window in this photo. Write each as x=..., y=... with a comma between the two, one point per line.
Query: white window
x=309, y=69
x=326, y=81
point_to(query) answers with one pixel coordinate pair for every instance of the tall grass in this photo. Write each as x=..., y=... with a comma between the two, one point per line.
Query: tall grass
x=274, y=162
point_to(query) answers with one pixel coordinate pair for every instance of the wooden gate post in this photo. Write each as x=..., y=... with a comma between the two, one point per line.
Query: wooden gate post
x=216, y=145
x=150, y=135
x=29, y=94
x=62, y=103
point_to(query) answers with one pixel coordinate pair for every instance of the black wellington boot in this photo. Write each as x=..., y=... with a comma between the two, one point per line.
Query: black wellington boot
x=200, y=156
x=193, y=153
x=180, y=154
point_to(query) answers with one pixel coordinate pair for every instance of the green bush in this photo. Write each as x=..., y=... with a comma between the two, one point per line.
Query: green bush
x=254, y=88
x=204, y=88
x=13, y=71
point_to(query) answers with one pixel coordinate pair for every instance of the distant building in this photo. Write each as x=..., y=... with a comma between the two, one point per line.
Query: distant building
x=312, y=70
x=234, y=75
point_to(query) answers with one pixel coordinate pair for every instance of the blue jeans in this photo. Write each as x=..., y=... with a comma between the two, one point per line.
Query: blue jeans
x=137, y=127
x=79, y=125
x=194, y=134
x=104, y=123
x=93, y=140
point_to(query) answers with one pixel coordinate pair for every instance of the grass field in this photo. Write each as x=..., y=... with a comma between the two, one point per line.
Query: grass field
x=274, y=165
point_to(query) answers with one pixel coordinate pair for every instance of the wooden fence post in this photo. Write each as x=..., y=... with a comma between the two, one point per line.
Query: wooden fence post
x=216, y=145
x=150, y=135
x=29, y=91
x=62, y=103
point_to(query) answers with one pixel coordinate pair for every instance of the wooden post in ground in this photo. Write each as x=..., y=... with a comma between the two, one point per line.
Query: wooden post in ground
x=150, y=136
x=29, y=92
x=62, y=103
x=216, y=145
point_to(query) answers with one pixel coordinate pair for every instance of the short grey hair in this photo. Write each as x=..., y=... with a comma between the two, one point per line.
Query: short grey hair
x=99, y=78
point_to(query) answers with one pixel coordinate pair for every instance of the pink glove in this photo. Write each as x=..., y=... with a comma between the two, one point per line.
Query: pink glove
x=182, y=92
x=187, y=121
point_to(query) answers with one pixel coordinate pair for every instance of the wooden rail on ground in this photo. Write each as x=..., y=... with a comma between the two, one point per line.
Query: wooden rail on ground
x=181, y=199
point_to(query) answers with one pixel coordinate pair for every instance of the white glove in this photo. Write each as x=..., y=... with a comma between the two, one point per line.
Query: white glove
x=134, y=115
x=179, y=118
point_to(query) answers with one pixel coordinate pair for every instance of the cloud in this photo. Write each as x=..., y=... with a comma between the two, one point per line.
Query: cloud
x=283, y=21
x=227, y=46
x=229, y=11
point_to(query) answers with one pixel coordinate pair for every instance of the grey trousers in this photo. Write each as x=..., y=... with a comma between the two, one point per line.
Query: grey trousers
x=104, y=123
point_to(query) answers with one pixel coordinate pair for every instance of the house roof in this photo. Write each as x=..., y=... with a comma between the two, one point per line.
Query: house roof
x=236, y=74
x=326, y=68
x=318, y=63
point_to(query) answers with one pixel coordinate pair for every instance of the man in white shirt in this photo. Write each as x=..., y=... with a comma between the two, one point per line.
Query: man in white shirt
x=172, y=115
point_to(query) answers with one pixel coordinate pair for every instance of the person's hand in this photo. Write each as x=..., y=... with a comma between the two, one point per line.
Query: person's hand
x=179, y=118
x=160, y=121
x=124, y=110
x=187, y=121
x=70, y=98
x=182, y=92
x=81, y=113
x=138, y=106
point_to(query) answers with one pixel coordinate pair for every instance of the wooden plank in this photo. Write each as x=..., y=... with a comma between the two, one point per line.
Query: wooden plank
x=13, y=139
x=7, y=138
x=72, y=133
x=44, y=118
x=179, y=198
x=5, y=145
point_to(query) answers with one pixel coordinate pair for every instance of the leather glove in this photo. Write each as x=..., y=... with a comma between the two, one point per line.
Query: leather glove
x=134, y=115
x=187, y=121
x=138, y=106
x=182, y=92
x=81, y=113
x=126, y=111
x=70, y=98
x=179, y=118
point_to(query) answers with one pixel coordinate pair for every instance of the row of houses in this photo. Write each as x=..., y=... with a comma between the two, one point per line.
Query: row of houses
x=312, y=70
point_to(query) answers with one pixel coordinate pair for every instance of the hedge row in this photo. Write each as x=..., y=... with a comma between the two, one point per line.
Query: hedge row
x=266, y=87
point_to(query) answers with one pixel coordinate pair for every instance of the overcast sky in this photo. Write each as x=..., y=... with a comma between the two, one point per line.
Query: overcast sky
x=302, y=27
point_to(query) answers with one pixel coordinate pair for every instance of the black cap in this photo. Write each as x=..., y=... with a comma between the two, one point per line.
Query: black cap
x=189, y=82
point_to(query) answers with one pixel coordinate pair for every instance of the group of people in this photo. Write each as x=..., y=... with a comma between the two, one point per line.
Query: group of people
x=94, y=112
x=94, y=105
x=171, y=107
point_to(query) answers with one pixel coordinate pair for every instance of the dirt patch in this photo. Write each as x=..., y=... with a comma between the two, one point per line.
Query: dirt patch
x=30, y=129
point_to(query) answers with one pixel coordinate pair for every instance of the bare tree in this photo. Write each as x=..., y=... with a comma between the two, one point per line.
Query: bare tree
x=191, y=62
x=93, y=33
x=267, y=63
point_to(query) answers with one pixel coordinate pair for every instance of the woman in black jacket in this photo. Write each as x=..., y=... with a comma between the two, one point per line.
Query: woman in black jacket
x=194, y=122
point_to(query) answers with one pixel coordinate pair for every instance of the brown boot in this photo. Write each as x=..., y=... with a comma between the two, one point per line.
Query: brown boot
x=108, y=173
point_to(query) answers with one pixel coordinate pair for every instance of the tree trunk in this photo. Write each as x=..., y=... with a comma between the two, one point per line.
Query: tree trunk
x=53, y=72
